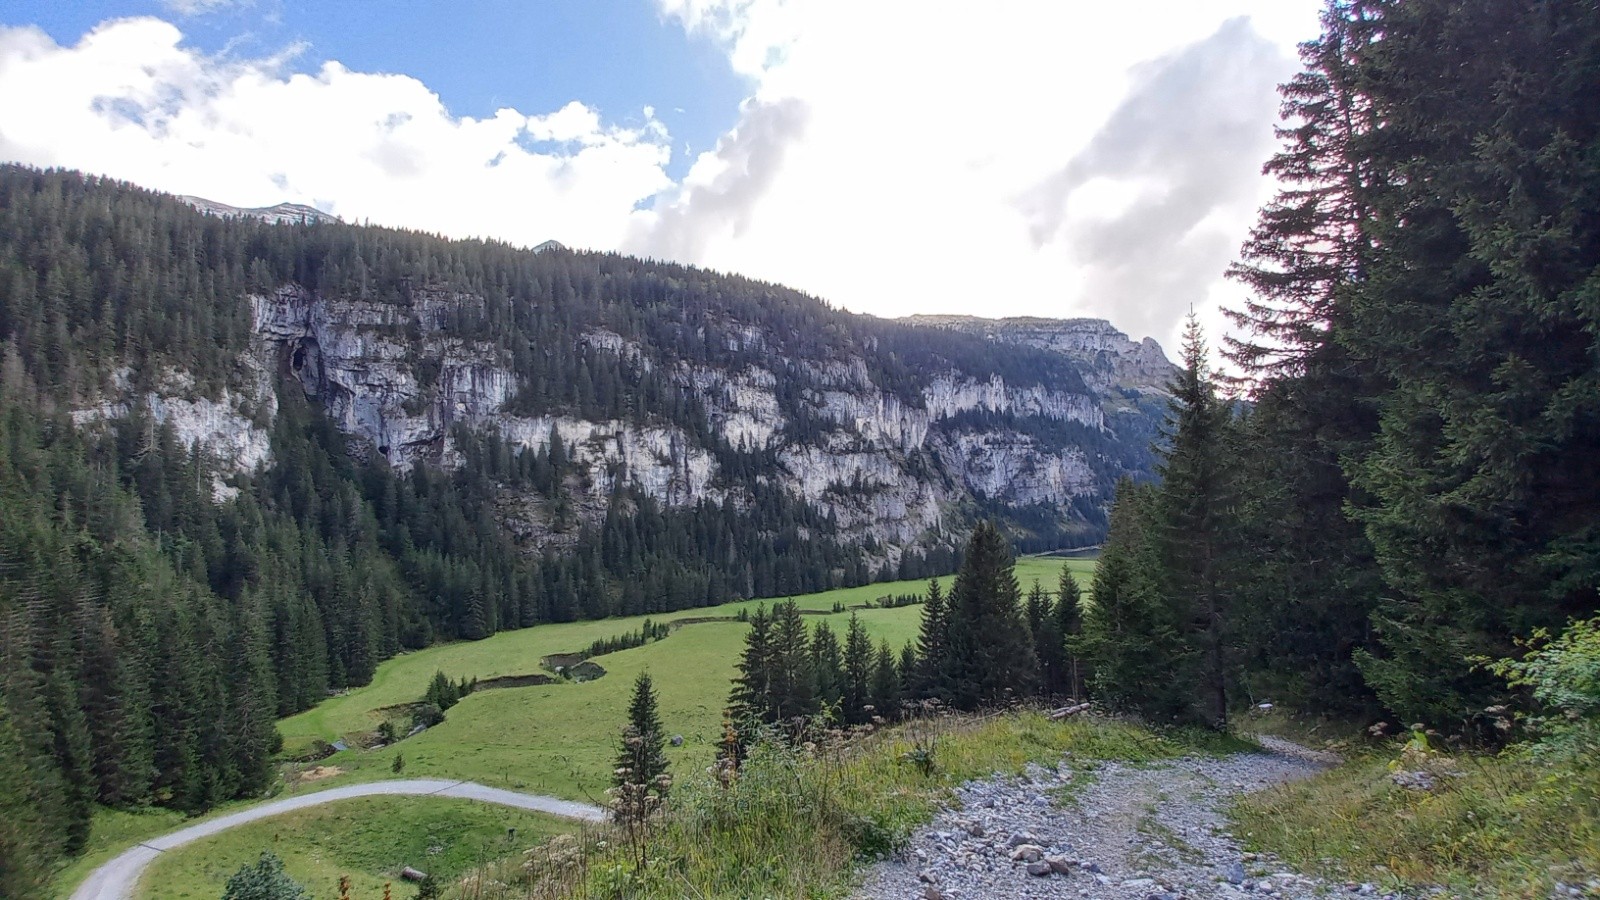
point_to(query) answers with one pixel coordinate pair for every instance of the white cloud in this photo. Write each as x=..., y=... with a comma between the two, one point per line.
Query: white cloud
x=132, y=101
x=923, y=180
x=188, y=8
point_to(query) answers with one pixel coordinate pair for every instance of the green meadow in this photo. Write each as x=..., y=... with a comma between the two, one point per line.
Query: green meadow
x=556, y=739
x=368, y=839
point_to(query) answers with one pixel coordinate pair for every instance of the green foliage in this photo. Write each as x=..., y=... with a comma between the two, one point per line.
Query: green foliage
x=990, y=655
x=266, y=880
x=640, y=781
x=1131, y=638
x=1564, y=676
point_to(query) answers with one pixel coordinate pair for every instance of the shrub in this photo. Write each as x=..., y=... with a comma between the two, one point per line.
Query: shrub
x=265, y=880
x=1564, y=677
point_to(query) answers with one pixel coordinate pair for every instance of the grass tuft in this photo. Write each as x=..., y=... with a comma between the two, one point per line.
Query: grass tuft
x=1506, y=826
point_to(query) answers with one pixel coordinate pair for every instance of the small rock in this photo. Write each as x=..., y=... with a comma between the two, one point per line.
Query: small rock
x=1020, y=838
x=1139, y=884
x=1059, y=864
x=926, y=876
x=1091, y=868
x=1027, y=853
x=1234, y=873
x=930, y=892
x=1040, y=868
x=975, y=829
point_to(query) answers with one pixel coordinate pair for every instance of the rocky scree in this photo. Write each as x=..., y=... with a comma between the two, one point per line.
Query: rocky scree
x=1130, y=833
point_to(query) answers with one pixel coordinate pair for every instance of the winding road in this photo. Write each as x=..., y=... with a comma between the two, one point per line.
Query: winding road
x=116, y=879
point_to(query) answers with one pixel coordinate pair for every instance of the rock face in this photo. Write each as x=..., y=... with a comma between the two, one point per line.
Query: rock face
x=1107, y=358
x=890, y=467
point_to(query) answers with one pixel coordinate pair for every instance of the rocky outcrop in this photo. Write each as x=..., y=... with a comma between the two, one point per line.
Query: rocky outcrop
x=888, y=467
x=1106, y=358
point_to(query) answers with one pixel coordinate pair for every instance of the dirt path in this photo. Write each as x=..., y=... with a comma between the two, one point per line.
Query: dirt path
x=1131, y=833
x=116, y=879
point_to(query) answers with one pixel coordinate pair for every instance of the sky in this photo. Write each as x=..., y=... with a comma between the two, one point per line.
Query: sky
x=1055, y=158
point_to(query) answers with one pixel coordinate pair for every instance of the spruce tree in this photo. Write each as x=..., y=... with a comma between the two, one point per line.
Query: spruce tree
x=885, y=684
x=990, y=650
x=750, y=703
x=1131, y=639
x=642, y=759
x=933, y=646
x=793, y=682
x=827, y=664
x=1049, y=647
x=858, y=660
x=1196, y=525
x=1068, y=615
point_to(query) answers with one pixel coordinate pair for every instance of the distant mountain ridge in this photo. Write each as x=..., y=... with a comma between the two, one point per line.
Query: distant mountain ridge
x=681, y=386
x=1109, y=358
x=281, y=214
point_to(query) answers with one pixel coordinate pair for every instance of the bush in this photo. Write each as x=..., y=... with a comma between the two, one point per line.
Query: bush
x=265, y=880
x=1564, y=677
x=427, y=715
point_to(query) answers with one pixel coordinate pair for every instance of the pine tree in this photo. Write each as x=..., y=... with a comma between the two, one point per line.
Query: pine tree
x=827, y=664
x=1196, y=518
x=1068, y=615
x=266, y=880
x=1049, y=646
x=885, y=684
x=641, y=770
x=1130, y=638
x=751, y=700
x=793, y=683
x=933, y=645
x=990, y=651
x=858, y=660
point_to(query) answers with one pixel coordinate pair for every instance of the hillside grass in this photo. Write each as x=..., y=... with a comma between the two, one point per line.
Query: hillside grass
x=557, y=739
x=796, y=822
x=1508, y=825
x=560, y=738
x=368, y=839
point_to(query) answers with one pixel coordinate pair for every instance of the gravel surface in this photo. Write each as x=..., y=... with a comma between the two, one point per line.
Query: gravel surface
x=1153, y=832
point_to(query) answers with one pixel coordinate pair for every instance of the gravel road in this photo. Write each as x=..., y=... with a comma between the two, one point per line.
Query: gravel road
x=1152, y=832
x=116, y=879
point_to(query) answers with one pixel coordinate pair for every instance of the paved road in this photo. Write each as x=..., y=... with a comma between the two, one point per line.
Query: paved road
x=116, y=879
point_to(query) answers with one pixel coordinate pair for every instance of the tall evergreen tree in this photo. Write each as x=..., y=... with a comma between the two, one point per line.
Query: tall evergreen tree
x=642, y=757
x=990, y=650
x=1049, y=645
x=751, y=700
x=858, y=660
x=1068, y=615
x=827, y=664
x=933, y=645
x=1131, y=639
x=1196, y=518
x=885, y=684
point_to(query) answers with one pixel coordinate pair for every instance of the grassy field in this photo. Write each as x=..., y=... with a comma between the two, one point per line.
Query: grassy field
x=369, y=839
x=555, y=739
x=796, y=821
x=558, y=738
